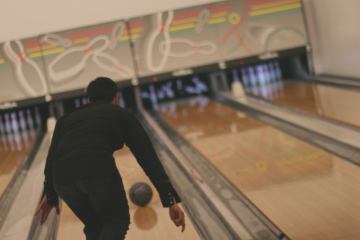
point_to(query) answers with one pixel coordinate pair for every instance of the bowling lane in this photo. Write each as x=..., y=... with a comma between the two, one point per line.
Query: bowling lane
x=307, y=192
x=326, y=101
x=14, y=148
x=151, y=222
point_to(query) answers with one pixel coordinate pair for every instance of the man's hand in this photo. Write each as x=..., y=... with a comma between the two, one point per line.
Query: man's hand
x=44, y=210
x=177, y=216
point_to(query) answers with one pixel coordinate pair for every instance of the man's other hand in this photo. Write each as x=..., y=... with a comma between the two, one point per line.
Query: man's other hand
x=44, y=210
x=177, y=216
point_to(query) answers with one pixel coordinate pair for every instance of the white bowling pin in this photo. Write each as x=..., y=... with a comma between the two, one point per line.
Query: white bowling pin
x=84, y=100
x=77, y=103
x=245, y=78
x=95, y=46
x=236, y=87
x=252, y=76
x=278, y=71
x=14, y=122
x=153, y=97
x=267, y=73
x=161, y=30
x=122, y=101
x=118, y=31
x=272, y=72
x=17, y=141
x=56, y=40
x=260, y=74
x=21, y=62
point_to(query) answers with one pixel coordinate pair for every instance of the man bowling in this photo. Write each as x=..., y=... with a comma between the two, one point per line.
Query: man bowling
x=81, y=170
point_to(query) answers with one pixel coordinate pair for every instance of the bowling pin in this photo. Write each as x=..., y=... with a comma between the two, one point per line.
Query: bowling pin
x=122, y=101
x=56, y=40
x=118, y=31
x=21, y=62
x=253, y=76
x=272, y=72
x=245, y=78
x=160, y=32
x=77, y=103
x=17, y=141
x=278, y=71
x=236, y=87
x=179, y=85
x=14, y=122
x=153, y=97
x=260, y=74
x=95, y=46
x=83, y=101
x=22, y=121
x=267, y=73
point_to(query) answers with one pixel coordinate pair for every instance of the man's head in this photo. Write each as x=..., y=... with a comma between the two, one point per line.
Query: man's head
x=102, y=89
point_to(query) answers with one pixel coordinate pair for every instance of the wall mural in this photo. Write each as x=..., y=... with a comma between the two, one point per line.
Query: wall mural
x=216, y=32
x=163, y=42
x=75, y=57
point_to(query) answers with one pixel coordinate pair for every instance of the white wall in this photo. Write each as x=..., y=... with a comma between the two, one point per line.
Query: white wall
x=334, y=29
x=19, y=18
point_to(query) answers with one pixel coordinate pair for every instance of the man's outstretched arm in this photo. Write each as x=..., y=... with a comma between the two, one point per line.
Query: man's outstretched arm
x=140, y=145
x=49, y=191
x=50, y=198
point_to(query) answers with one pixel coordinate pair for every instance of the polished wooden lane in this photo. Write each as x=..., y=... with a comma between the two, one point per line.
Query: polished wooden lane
x=307, y=192
x=326, y=101
x=151, y=222
x=14, y=149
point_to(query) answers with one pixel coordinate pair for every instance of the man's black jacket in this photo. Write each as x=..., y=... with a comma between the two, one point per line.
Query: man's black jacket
x=83, y=144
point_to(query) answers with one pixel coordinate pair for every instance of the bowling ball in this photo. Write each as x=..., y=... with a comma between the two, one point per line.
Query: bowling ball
x=140, y=194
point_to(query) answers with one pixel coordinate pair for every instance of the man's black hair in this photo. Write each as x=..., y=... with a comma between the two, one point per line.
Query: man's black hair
x=101, y=89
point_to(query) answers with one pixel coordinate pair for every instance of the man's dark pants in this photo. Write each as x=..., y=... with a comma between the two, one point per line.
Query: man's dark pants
x=100, y=204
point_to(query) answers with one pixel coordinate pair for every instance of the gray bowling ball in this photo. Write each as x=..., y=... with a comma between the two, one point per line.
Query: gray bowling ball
x=140, y=194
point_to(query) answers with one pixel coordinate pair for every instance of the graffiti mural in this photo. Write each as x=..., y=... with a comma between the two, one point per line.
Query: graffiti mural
x=162, y=42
